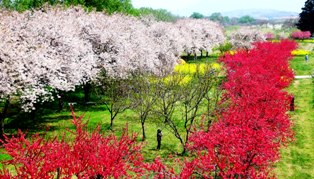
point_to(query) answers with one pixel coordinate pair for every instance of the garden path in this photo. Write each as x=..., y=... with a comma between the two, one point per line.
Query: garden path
x=303, y=77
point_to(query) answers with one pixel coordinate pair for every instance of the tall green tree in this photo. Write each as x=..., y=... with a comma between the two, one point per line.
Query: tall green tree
x=197, y=15
x=307, y=17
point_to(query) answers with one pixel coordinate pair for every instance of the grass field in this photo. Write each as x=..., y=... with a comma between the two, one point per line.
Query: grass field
x=299, y=65
x=297, y=160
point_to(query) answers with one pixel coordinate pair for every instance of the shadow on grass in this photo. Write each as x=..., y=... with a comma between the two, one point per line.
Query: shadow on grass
x=210, y=58
x=44, y=117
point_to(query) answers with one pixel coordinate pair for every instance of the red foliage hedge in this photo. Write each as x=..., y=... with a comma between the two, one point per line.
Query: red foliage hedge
x=245, y=141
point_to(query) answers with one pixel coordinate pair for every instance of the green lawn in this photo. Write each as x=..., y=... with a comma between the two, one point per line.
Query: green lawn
x=298, y=158
x=299, y=65
x=58, y=122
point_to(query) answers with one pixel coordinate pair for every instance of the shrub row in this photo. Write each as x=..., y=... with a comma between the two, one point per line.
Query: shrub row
x=245, y=141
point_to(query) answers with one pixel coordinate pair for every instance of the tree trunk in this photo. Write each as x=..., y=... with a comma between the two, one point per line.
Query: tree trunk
x=183, y=145
x=86, y=88
x=189, y=54
x=208, y=115
x=206, y=54
x=3, y=115
x=143, y=131
x=33, y=114
x=111, y=123
x=60, y=101
x=201, y=53
x=112, y=117
x=195, y=56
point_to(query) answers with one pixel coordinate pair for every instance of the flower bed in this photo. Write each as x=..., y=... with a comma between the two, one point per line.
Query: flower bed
x=300, y=52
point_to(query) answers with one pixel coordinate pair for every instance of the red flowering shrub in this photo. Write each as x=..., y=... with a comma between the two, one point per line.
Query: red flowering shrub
x=88, y=156
x=301, y=35
x=246, y=139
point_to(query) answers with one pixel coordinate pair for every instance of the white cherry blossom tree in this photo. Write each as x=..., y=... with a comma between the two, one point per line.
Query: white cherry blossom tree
x=244, y=37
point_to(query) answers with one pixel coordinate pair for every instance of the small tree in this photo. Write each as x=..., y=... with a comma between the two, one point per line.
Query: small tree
x=143, y=97
x=169, y=96
x=188, y=86
x=115, y=93
x=306, y=17
x=194, y=93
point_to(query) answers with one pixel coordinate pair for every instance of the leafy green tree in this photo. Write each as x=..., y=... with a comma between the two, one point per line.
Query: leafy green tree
x=109, y=6
x=218, y=17
x=224, y=47
x=5, y=4
x=22, y=5
x=306, y=17
x=246, y=20
x=158, y=14
x=197, y=15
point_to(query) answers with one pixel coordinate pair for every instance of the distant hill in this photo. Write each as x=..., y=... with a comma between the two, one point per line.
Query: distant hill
x=262, y=14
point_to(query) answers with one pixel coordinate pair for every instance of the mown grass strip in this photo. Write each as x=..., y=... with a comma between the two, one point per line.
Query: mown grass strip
x=297, y=160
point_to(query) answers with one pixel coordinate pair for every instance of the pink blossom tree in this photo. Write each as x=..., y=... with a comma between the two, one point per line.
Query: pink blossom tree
x=200, y=34
x=244, y=38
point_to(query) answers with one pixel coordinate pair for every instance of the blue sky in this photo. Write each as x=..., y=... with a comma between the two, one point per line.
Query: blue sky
x=206, y=7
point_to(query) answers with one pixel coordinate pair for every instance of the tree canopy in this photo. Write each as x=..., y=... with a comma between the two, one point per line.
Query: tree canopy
x=109, y=6
x=306, y=17
x=218, y=17
x=197, y=15
x=158, y=14
x=246, y=19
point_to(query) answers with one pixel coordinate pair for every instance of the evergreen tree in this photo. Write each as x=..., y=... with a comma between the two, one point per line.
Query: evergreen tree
x=307, y=17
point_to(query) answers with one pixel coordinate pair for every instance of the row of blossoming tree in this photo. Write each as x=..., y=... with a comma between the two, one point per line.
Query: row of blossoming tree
x=243, y=143
x=45, y=53
x=53, y=50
